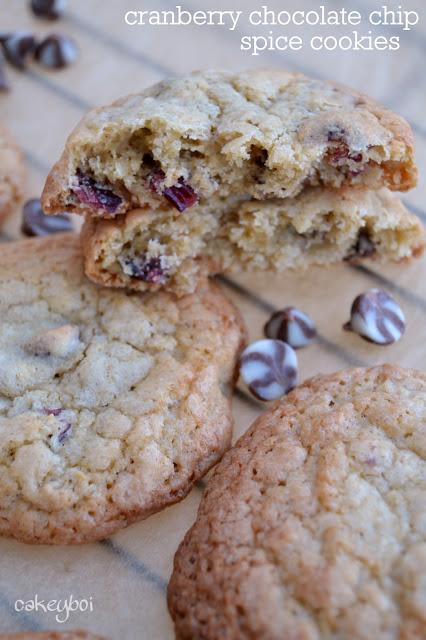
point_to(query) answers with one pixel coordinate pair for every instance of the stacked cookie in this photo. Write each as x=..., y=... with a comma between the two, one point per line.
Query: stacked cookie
x=218, y=171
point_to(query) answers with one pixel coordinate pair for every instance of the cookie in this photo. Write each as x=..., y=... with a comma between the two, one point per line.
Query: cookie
x=12, y=174
x=148, y=249
x=313, y=526
x=213, y=139
x=111, y=404
x=50, y=635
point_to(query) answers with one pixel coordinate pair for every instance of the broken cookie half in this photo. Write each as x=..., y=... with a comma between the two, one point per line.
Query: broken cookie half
x=217, y=171
x=147, y=250
x=198, y=141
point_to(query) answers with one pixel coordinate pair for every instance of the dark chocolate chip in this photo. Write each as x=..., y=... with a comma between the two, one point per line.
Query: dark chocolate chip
x=36, y=223
x=364, y=247
x=17, y=47
x=56, y=51
x=98, y=196
x=338, y=134
x=50, y=9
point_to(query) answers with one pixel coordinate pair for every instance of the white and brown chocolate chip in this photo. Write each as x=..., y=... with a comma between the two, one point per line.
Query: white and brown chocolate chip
x=269, y=368
x=377, y=317
x=293, y=326
x=111, y=404
x=313, y=525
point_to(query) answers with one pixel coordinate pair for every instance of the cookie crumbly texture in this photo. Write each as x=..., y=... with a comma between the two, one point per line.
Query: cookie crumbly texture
x=112, y=404
x=317, y=227
x=314, y=525
x=231, y=137
x=51, y=635
x=12, y=174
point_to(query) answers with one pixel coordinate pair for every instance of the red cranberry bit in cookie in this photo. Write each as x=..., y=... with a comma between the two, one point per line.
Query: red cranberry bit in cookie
x=151, y=270
x=52, y=412
x=340, y=150
x=96, y=195
x=180, y=195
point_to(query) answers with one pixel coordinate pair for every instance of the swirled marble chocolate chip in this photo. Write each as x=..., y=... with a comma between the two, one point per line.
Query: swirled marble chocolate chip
x=292, y=326
x=4, y=84
x=376, y=317
x=49, y=9
x=269, y=368
x=17, y=47
x=36, y=223
x=56, y=51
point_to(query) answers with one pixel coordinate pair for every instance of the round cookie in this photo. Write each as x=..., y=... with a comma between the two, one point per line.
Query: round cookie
x=50, y=635
x=313, y=526
x=111, y=404
x=12, y=174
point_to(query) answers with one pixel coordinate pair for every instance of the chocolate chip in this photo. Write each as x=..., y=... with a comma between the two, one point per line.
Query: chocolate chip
x=50, y=9
x=149, y=270
x=376, y=317
x=36, y=223
x=269, y=368
x=292, y=326
x=98, y=196
x=56, y=52
x=364, y=247
x=17, y=47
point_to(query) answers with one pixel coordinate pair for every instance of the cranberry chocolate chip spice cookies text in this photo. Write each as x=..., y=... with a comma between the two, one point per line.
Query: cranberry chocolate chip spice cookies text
x=313, y=525
x=111, y=404
x=216, y=171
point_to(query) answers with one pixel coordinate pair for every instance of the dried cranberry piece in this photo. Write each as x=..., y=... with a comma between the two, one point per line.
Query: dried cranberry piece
x=149, y=270
x=180, y=195
x=52, y=412
x=156, y=181
x=96, y=195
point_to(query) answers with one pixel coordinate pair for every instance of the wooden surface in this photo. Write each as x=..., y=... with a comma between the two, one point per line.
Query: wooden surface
x=126, y=575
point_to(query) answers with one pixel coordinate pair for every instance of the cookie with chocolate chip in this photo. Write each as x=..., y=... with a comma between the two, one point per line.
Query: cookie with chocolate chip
x=111, y=404
x=12, y=174
x=313, y=525
x=205, y=171
x=147, y=249
x=211, y=139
